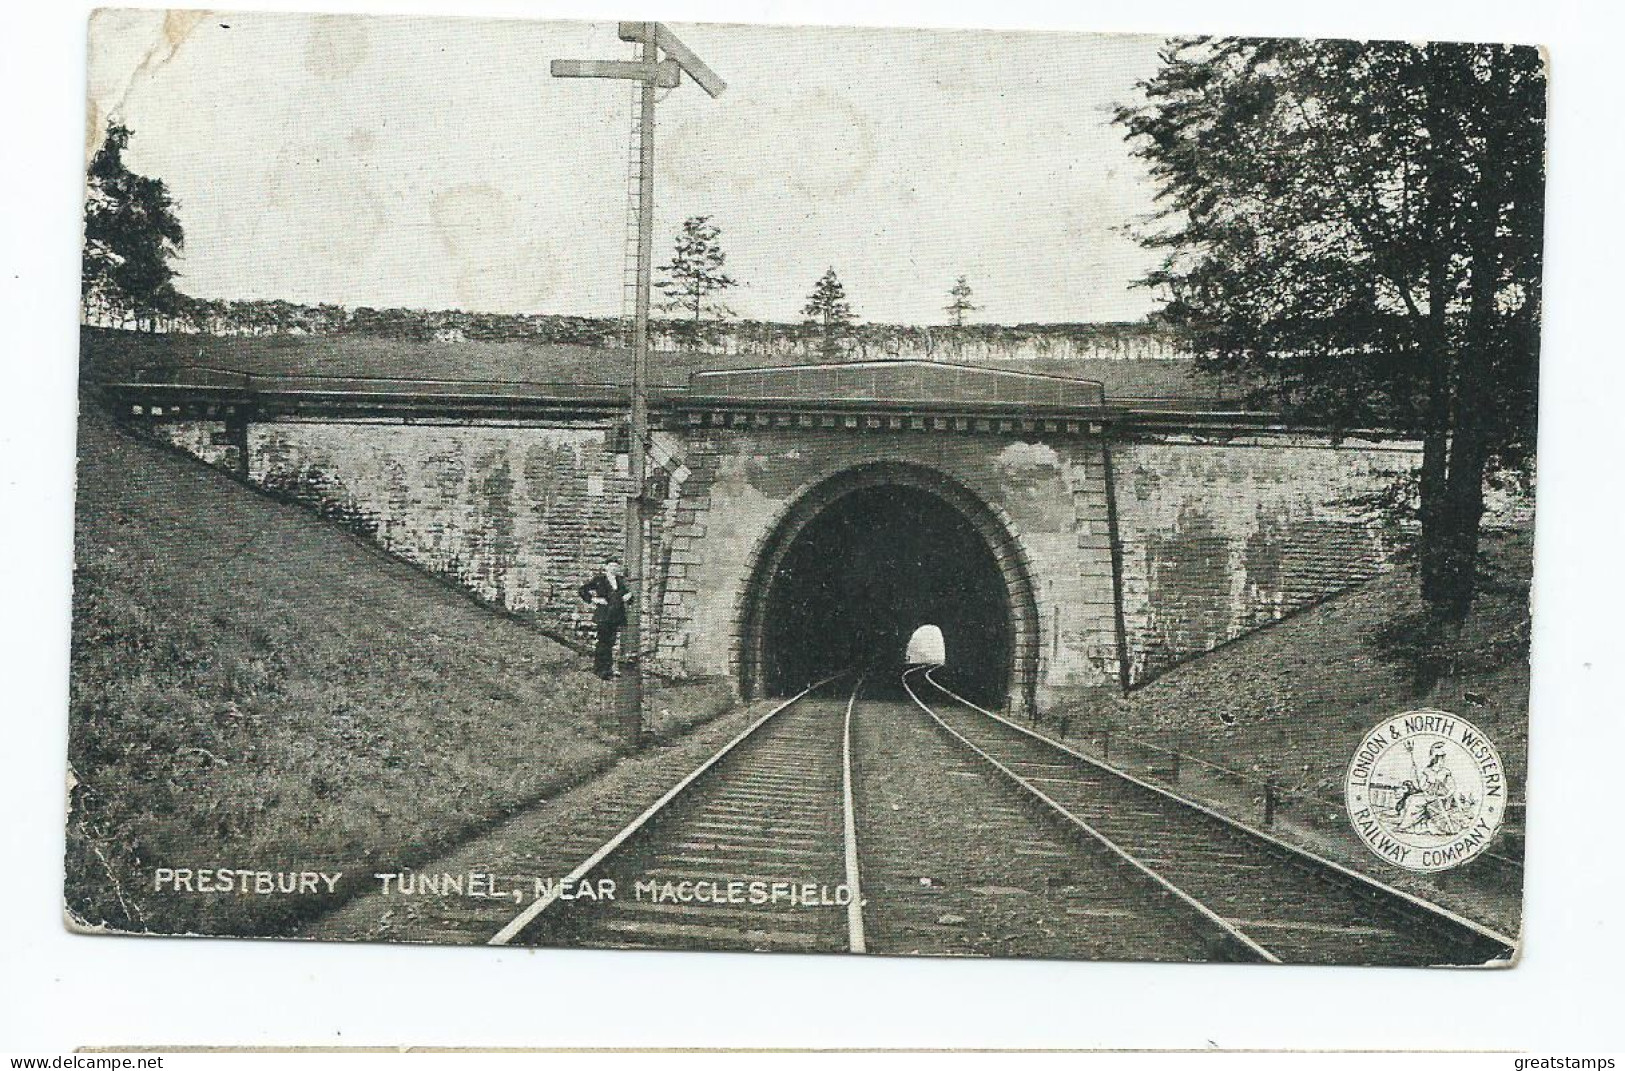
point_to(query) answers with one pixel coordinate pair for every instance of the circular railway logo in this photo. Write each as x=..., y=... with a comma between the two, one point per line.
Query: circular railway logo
x=1426, y=790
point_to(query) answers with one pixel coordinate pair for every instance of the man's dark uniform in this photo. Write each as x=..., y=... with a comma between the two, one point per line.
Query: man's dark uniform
x=609, y=616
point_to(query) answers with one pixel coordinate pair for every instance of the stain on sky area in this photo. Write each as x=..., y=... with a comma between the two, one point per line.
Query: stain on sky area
x=833, y=154
x=106, y=101
x=897, y=156
x=336, y=46
x=485, y=243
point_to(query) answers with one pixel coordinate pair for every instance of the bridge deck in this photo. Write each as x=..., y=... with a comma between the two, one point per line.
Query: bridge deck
x=920, y=395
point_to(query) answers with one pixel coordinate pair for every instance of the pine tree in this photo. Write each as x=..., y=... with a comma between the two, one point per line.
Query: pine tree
x=828, y=310
x=958, y=308
x=693, y=276
x=959, y=305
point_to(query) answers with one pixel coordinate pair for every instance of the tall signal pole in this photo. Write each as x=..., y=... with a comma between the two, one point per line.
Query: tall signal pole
x=653, y=73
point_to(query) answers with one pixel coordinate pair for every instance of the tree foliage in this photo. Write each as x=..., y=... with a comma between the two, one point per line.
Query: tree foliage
x=694, y=276
x=828, y=310
x=959, y=302
x=131, y=236
x=1354, y=229
x=959, y=308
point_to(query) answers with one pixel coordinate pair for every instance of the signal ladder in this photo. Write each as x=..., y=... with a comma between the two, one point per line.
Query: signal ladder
x=653, y=599
x=629, y=250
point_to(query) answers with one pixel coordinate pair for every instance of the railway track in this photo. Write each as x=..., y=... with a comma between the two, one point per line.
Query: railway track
x=1273, y=902
x=975, y=836
x=955, y=865
x=753, y=851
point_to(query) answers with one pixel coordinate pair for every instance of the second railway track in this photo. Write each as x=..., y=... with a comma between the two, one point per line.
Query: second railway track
x=1283, y=904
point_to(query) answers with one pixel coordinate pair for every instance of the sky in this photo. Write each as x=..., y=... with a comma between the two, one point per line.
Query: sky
x=434, y=163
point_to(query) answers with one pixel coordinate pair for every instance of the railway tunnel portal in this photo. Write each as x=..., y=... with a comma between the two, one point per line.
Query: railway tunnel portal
x=867, y=557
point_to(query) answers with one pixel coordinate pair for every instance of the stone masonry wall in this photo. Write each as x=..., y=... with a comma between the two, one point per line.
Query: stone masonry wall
x=1214, y=539
x=520, y=515
x=1220, y=539
x=1050, y=499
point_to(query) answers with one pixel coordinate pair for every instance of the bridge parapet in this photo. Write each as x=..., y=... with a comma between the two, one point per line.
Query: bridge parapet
x=928, y=395
x=194, y=393
x=919, y=383
x=859, y=396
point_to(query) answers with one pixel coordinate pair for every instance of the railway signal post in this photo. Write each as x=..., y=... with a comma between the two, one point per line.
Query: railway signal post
x=653, y=72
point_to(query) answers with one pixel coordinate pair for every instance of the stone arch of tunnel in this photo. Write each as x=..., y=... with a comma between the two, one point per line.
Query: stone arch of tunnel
x=860, y=560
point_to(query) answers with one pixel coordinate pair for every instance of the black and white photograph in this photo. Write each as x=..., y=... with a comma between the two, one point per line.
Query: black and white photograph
x=712, y=487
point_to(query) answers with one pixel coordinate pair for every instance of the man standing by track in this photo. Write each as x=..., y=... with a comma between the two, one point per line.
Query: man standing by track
x=608, y=593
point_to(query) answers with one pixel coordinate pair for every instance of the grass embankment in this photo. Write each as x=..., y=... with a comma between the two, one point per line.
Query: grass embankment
x=107, y=354
x=253, y=688
x=1290, y=703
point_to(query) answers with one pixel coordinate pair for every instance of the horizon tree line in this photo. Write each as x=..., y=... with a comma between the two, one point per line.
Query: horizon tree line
x=132, y=234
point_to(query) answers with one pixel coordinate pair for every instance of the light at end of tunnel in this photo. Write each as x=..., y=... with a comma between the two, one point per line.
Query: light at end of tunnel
x=925, y=647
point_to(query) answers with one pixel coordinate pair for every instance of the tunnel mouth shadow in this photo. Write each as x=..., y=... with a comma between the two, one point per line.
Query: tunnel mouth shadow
x=862, y=560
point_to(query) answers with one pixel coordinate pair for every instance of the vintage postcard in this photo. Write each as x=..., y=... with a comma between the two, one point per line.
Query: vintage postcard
x=726, y=487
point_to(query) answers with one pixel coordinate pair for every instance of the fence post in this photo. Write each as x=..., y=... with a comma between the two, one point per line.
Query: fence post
x=1269, y=803
x=1066, y=720
x=1174, y=769
x=1106, y=743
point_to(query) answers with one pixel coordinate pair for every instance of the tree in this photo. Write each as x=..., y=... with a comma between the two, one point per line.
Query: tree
x=959, y=306
x=131, y=235
x=828, y=310
x=1355, y=229
x=694, y=276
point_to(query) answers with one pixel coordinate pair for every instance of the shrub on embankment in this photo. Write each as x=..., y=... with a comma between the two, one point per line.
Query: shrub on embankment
x=253, y=688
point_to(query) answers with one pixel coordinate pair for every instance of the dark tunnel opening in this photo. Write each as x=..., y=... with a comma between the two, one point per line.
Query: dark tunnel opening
x=866, y=572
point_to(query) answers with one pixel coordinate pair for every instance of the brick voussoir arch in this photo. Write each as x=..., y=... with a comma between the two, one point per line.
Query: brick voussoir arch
x=993, y=524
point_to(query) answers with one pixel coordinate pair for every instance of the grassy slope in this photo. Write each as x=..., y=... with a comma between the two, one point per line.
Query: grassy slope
x=1291, y=702
x=110, y=354
x=252, y=687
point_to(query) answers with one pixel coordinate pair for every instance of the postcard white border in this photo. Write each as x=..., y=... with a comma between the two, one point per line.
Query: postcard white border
x=59, y=990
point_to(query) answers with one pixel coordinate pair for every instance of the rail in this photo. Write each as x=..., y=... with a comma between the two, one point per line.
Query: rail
x=529, y=916
x=1270, y=796
x=849, y=824
x=1230, y=933
x=1377, y=890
